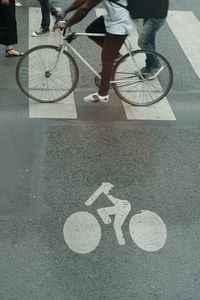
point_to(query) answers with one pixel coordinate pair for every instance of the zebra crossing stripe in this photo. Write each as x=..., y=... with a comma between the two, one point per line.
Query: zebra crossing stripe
x=187, y=35
x=64, y=109
x=158, y=111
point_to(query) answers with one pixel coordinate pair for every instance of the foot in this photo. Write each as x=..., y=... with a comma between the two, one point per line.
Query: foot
x=144, y=70
x=11, y=52
x=96, y=98
x=18, y=4
x=152, y=72
x=41, y=32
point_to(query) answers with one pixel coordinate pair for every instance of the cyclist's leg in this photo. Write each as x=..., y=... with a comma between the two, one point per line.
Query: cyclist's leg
x=112, y=45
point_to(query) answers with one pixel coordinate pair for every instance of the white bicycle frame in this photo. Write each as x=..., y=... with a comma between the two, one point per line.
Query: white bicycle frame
x=76, y=34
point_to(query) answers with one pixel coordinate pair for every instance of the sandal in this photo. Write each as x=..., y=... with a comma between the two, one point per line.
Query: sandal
x=96, y=97
x=11, y=52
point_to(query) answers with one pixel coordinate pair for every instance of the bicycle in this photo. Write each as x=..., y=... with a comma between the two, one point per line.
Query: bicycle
x=82, y=232
x=41, y=73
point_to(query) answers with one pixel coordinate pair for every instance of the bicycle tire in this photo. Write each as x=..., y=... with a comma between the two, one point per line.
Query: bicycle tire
x=32, y=70
x=135, y=89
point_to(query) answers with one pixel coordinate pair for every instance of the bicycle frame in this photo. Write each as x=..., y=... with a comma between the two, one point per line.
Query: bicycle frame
x=73, y=35
x=127, y=80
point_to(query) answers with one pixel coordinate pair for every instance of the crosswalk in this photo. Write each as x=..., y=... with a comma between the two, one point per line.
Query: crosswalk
x=67, y=108
x=64, y=109
x=187, y=38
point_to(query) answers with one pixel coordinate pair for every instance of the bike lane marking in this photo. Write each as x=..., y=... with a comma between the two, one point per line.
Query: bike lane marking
x=82, y=231
x=159, y=111
x=64, y=109
x=186, y=35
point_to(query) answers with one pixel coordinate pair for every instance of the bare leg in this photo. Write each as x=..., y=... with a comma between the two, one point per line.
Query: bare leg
x=112, y=45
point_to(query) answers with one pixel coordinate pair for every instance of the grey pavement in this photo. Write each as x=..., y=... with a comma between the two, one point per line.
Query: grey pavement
x=50, y=167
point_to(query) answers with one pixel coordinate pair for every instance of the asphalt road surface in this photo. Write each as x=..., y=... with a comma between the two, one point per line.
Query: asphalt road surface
x=64, y=235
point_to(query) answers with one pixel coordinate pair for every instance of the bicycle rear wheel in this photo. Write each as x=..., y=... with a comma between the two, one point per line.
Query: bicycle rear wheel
x=133, y=87
x=44, y=76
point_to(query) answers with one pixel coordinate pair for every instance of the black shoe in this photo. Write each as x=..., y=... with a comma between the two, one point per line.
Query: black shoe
x=41, y=32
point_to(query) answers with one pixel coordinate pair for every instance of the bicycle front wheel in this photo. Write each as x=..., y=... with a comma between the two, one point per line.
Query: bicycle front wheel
x=46, y=75
x=136, y=87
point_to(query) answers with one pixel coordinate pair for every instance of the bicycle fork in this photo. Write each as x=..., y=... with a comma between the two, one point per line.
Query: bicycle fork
x=60, y=52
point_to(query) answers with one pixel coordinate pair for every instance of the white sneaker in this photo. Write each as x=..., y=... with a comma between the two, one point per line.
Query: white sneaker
x=18, y=4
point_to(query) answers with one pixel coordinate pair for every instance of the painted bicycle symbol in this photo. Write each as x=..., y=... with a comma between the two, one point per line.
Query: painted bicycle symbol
x=82, y=231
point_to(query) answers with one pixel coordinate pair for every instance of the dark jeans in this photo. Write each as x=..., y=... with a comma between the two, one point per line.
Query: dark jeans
x=111, y=44
x=147, y=38
x=47, y=7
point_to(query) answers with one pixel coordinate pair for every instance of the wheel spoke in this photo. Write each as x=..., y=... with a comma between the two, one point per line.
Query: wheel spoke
x=34, y=80
x=136, y=89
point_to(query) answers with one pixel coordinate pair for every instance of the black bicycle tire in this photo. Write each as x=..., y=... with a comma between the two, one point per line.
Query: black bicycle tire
x=75, y=82
x=135, y=52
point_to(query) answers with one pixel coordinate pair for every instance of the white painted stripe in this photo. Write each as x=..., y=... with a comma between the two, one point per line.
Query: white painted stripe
x=82, y=232
x=148, y=231
x=186, y=28
x=62, y=109
x=158, y=111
